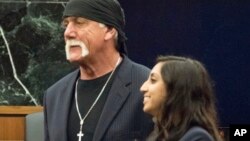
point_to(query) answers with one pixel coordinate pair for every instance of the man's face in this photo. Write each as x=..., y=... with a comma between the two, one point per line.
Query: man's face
x=83, y=38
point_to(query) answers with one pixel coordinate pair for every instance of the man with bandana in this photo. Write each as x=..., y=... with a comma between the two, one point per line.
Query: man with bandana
x=101, y=100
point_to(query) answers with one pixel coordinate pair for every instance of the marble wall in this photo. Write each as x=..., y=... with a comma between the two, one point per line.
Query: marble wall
x=32, y=53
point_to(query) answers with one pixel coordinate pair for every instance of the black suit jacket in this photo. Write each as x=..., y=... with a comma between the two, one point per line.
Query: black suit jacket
x=122, y=118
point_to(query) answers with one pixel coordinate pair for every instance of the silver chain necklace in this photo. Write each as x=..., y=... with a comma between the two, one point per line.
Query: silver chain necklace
x=80, y=134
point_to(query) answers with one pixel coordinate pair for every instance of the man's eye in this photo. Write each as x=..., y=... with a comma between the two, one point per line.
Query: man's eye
x=81, y=21
x=64, y=24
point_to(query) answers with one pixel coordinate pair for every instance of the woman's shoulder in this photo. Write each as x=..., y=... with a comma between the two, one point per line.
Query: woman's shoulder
x=197, y=133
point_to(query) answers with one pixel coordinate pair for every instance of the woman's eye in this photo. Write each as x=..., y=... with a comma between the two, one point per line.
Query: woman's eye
x=152, y=80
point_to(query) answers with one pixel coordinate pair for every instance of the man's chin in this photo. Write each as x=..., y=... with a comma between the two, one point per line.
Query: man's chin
x=77, y=60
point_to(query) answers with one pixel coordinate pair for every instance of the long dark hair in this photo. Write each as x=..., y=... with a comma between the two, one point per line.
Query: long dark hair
x=190, y=99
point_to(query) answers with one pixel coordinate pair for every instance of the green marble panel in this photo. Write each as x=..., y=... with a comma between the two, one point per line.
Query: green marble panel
x=36, y=58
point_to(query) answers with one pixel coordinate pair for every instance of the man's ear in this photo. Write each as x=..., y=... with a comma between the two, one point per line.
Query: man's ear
x=110, y=33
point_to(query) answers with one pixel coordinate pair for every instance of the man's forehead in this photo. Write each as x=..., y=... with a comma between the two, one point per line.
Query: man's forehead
x=69, y=18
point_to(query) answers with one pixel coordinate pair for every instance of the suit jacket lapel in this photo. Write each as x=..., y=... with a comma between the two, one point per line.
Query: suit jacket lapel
x=66, y=101
x=117, y=96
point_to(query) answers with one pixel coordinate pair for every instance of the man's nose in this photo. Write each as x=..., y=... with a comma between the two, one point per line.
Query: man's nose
x=70, y=31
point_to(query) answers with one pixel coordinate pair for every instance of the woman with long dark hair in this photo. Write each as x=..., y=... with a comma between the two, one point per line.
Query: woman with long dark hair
x=179, y=95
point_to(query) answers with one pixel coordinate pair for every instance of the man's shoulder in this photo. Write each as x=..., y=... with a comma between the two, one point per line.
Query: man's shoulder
x=136, y=66
x=141, y=67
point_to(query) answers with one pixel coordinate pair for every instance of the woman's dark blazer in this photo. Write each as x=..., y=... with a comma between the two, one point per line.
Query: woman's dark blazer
x=197, y=134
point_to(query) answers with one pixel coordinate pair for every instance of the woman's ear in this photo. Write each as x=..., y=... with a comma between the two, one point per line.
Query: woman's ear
x=110, y=33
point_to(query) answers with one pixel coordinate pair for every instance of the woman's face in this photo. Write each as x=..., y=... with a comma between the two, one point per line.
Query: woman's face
x=154, y=91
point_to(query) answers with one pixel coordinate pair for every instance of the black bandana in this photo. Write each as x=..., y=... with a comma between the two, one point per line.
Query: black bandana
x=108, y=12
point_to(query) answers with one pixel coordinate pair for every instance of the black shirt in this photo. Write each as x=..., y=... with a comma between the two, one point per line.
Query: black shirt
x=87, y=92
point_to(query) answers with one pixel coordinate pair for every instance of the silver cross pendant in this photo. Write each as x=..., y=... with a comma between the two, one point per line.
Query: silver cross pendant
x=80, y=135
